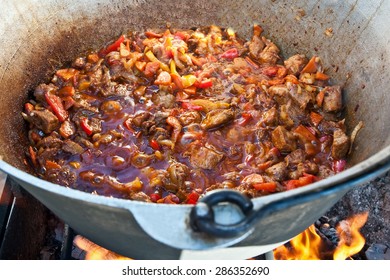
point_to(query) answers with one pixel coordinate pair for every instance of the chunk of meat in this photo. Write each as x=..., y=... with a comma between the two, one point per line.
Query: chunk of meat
x=340, y=145
x=295, y=157
x=295, y=63
x=246, y=186
x=270, y=54
x=67, y=129
x=284, y=116
x=72, y=147
x=283, y=139
x=65, y=177
x=217, y=118
x=205, y=158
x=141, y=160
x=190, y=117
x=329, y=127
x=233, y=176
x=302, y=168
x=140, y=118
x=324, y=172
x=279, y=93
x=256, y=45
x=178, y=173
x=253, y=179
x=300, y=96
x=172, y=121
x=79, y=63
x=50, y=141
x=191, y=133
x=160, y=117
x=235, y=133
x=164, y=99
x=332, y=99
x=44, y=120
x=140, y=196
x=271, y=117
x=277, y=171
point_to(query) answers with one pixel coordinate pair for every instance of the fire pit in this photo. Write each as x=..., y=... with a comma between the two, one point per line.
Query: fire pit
x=30, y=231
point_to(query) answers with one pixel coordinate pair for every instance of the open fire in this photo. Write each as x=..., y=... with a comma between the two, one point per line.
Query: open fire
x=309, y=245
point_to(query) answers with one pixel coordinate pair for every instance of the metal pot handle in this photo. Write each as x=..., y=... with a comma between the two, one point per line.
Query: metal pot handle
x=202, y=215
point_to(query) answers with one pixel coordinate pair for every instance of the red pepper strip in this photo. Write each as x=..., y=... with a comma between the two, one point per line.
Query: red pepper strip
x=151, y=34
x=204, y=84
x=301, y=181
x=154, y=197
x=154, y=144
x=177, y=80
x=169, y=199
x=245, y=118
x=182, y=35
x=230, y=54
x=251, y=63
x=316, y=118
x=192, y=198
x=190, y=106
x=263, y=166
x=320, y=98
x=311, y=66
x=28, y=107
x=52, y=165
x=305, y=133
x=321, y=76
x=86, y=127
x=270, y=71
x=33, y=155
x=56, y=105
x=113, y=47
x=268, y=187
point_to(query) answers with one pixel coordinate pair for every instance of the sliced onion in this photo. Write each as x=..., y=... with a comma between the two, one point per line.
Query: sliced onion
x=354, y=134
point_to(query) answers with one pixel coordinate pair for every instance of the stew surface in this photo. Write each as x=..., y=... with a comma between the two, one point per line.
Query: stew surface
x=166, y=116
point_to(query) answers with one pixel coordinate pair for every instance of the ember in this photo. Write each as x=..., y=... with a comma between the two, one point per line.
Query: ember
x=319, y=243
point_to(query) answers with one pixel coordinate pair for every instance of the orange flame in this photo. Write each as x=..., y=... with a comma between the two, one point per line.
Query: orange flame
x=308, y=244
x=304, y=246
x=94, y=251
x=351, y=241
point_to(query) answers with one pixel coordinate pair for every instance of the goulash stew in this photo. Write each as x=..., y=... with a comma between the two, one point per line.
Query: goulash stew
x=166, y=116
